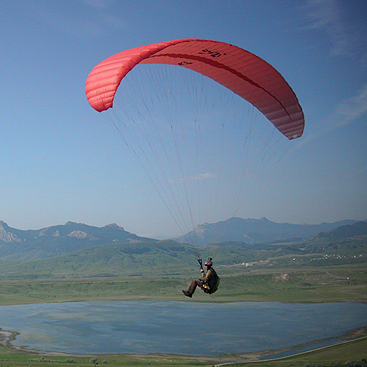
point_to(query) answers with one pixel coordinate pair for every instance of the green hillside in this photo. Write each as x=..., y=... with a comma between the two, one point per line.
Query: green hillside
x=286, y=272
x=172, y=258
x=145, y=258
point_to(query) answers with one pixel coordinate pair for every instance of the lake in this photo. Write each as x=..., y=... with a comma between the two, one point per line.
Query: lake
x=188, y=328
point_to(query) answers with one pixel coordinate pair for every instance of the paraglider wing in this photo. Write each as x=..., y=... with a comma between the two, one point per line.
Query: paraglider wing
x=239, y=70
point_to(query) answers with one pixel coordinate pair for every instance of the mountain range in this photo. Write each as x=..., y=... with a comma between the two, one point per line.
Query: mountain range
x=252, y=231
x=64, y=239
x=16, y=244
x=342, y=245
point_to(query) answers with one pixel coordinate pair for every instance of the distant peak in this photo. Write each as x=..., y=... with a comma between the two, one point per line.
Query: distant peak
x=3, y=224
x=114, y=225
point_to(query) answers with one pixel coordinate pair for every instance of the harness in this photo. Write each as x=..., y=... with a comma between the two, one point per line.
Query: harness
x=213, y=284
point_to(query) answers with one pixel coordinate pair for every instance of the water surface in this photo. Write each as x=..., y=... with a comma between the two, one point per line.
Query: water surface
x=186, y=328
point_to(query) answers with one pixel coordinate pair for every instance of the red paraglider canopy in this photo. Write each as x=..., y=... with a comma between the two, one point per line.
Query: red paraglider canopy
x=239, y=70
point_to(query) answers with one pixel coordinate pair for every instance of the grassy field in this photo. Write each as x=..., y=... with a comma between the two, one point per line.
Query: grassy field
x=351, y=353
x=285, y=283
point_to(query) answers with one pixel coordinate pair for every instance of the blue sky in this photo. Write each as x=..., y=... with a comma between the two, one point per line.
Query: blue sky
x=62, y=161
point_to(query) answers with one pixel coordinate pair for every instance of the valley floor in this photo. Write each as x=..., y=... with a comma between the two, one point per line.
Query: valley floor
x=238, y=284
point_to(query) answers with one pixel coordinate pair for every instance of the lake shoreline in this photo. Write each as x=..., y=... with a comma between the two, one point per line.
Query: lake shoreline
x=7, y=336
